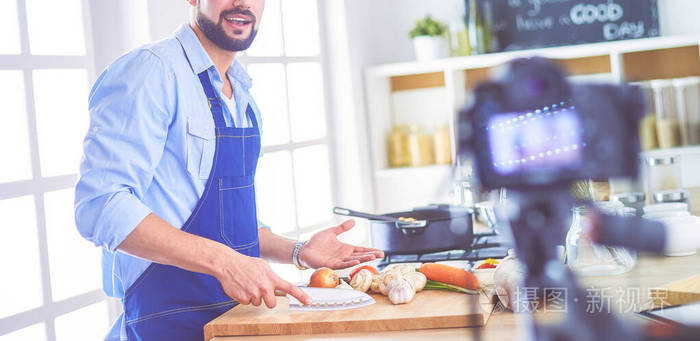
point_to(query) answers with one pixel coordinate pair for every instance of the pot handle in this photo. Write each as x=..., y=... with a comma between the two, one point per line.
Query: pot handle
x=351, y=213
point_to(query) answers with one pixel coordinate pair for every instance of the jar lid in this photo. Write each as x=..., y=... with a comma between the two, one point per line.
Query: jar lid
x=580, y=209
x=609, y=207
x=674, y=195
x=629, y=198
x=661, y=160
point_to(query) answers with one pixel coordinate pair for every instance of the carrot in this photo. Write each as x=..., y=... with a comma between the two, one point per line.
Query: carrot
x=450, y=275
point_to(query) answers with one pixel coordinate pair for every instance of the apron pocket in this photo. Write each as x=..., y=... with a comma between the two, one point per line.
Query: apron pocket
x=238, y=222
x=201, y=144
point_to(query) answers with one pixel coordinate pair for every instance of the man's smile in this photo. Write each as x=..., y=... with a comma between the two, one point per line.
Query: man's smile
x=238, y=21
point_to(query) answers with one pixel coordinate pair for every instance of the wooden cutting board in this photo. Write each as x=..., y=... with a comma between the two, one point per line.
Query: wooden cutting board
x=683, y=291
x=429, y=309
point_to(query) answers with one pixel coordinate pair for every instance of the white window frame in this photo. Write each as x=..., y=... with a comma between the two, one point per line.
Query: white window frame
x=290, y=146
x=38, y=185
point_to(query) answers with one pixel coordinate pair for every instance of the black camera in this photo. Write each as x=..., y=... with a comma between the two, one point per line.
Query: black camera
x=533, y=128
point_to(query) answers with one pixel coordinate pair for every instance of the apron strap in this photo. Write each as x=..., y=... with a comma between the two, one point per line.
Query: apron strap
x=251, y=116
x=214, y=101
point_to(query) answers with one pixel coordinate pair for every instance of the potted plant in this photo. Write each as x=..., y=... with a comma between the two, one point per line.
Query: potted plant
x=429, y=39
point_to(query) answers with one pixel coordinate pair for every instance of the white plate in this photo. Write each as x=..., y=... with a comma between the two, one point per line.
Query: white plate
x=331, y=299
x=665, y=207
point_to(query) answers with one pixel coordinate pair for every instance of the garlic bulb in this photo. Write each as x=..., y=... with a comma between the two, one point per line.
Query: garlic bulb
x=343, y=285
x=418, y=279
x=362, y=280
x=391, y=275
x=383, y=289
x=400, y=290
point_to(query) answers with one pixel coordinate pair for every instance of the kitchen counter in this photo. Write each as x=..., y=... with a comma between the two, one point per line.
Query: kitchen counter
x=503, y=325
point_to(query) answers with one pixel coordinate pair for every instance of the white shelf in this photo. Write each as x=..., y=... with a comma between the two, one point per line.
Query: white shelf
x=417, y=171
x=559, y=52
x=685, y=150
x=435, y=91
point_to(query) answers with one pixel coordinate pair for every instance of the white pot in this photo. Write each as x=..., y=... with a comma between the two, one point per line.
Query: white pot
x=429, y=48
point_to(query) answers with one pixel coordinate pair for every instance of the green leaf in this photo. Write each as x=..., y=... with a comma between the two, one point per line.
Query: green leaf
x=435, y=285
x=428, y=27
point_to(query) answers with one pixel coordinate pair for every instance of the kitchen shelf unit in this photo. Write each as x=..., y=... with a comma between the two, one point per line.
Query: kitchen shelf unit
x=434, y=91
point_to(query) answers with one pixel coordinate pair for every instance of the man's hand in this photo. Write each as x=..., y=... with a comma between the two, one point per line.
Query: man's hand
x=250, y=280
x=325, y=250
x=245, y=279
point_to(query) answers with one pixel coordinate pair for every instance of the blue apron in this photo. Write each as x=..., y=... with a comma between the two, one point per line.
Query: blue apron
x=169, y=303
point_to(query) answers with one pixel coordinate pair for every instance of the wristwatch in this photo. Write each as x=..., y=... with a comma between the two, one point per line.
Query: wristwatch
x=295, y=255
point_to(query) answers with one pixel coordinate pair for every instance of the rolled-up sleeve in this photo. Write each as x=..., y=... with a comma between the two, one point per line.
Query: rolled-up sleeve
x=131, y=107
x=262, y=225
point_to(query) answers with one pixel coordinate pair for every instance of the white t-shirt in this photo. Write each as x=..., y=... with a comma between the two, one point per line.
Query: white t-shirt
x=240, y=120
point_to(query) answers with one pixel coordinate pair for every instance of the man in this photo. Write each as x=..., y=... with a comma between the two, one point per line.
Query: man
x=166, y=184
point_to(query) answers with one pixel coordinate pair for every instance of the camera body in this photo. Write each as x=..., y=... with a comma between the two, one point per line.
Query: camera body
x=532, y=128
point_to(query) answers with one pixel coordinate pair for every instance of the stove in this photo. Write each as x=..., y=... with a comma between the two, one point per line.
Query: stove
x=484, y=246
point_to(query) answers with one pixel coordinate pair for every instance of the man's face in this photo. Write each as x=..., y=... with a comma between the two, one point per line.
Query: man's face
x=230, y=24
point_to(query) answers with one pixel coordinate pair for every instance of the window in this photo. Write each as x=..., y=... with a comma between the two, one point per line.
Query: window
x=293, y=181
x=44, y=78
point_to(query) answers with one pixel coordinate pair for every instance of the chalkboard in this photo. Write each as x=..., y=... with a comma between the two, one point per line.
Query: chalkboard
x=525, y=24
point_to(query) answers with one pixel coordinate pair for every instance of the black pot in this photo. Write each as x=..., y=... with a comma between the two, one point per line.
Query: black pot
x=448, y=228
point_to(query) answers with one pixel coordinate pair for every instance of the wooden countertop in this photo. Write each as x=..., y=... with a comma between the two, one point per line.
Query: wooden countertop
x=503, y=325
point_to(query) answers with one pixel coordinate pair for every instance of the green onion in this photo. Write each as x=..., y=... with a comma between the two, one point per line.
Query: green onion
x=435, y=285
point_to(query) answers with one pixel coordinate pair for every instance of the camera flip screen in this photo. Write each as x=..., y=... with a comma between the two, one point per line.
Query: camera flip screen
x=547, y=139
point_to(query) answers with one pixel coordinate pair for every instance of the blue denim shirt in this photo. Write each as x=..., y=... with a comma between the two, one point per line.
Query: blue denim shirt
x=150, y=145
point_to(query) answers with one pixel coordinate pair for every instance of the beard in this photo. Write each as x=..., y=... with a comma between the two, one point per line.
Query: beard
x=216, y=33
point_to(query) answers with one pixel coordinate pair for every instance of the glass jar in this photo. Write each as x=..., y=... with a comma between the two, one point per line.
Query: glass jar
x=442, y=144
x=672, y=196
x=398, y=147
x=587, y=258
x=420, y=146
x=662, y=173
x=688, y=90
x=647, y=126
x=668, y=120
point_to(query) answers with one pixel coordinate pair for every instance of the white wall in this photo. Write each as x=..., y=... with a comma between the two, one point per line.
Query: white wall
x=165, y=16
x=380, y=28
x=679, y=17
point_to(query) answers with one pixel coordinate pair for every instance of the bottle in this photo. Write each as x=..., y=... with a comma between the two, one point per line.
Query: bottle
x=489, y=22
x=475, y=28
x=459, y=39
